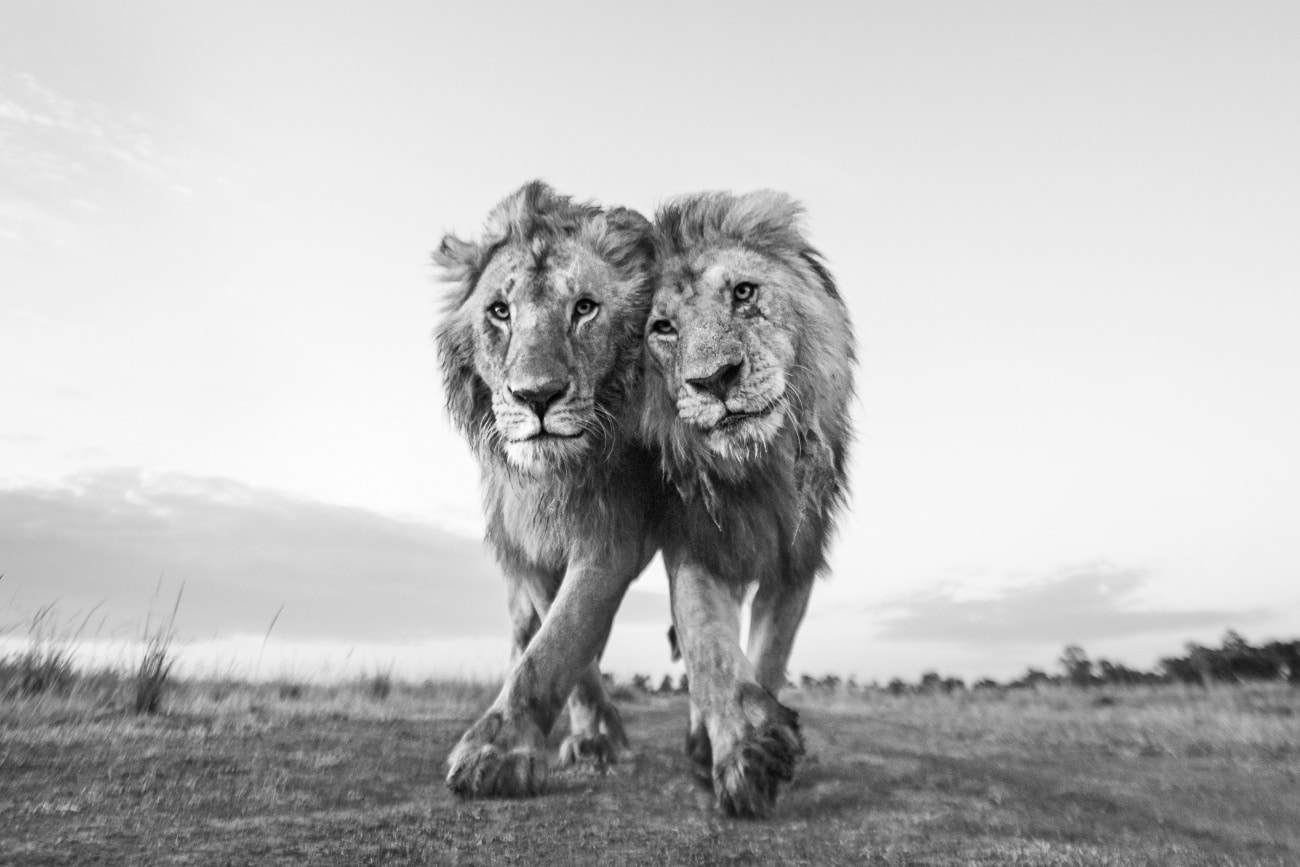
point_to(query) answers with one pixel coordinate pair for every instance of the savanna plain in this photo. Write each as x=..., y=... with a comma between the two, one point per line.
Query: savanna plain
x=287, y=773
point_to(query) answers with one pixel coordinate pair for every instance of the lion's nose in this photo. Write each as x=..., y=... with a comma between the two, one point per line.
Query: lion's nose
x=720, y=381
x=541, y=396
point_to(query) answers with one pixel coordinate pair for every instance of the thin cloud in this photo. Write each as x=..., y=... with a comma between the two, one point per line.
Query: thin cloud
x=340, y=573
x=1095, y=602
x=87, y=127
x=58, y=154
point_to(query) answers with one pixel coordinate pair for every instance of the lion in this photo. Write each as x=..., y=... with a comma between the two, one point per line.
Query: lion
x=539, y=351
x=749, y=354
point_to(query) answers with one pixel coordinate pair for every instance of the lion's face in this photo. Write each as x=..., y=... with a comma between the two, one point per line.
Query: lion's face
x=546, y=339
x=719, y=337
x=539, y=345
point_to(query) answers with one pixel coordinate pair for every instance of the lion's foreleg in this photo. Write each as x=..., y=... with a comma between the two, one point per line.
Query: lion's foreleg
x=753, y=741
x=501, y=754
x=778, y=609
x=706, y=614
x=595, y=727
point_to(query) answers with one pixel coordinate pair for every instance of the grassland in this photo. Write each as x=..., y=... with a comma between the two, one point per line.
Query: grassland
x=351, y=775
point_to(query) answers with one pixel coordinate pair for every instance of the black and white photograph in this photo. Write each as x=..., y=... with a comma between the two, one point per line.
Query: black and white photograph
x=717, y=433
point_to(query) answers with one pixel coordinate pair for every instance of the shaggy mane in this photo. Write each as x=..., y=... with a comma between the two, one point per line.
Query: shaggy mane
x=535, y=214
x=538, y=218
x=772, y=514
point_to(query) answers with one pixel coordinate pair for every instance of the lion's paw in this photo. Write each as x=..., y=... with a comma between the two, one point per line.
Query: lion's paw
x=598, y=746
x=596, y=750
x=494, y=759
x=746, y=779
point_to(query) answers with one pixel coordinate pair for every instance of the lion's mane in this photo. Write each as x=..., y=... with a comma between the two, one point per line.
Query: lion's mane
x=771, y=515
x=582, y=502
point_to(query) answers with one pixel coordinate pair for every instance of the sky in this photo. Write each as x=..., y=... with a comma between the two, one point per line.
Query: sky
x=1066, y=234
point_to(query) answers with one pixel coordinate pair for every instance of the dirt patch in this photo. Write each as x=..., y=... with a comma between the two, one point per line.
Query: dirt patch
x=281, y=787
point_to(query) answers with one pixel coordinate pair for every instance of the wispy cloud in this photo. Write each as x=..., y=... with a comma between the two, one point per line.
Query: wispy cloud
x=59, y=154
x=1078, y=605
x=341, y=573
x=85, y=127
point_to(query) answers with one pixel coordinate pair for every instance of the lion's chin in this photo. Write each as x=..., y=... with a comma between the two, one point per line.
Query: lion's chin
x=744, y=438
x=545, y=454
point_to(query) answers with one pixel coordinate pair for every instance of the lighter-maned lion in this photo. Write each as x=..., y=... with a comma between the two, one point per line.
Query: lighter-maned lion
x=540, y=356
x=749, y=355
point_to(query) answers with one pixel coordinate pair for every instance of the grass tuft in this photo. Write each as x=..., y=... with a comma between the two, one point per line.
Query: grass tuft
x=156, y=663
x=40, y=669
x=46, y=666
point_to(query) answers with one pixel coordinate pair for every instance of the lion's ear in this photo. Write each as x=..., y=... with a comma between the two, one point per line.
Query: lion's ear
x=461, y=262
x=630, y=238
x=454, y=254
x=627, y=220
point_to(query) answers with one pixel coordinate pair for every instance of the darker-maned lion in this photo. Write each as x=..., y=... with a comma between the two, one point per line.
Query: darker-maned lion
x=749, y=356
x=540, y=351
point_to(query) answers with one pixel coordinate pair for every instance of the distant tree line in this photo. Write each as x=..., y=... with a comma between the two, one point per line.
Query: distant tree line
x=1235, y=661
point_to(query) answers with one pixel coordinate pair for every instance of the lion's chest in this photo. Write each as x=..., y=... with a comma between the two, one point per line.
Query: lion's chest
x=755, y=530
x=542, y=526
x=536, y=528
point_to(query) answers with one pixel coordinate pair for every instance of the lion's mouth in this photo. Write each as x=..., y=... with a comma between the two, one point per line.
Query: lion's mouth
x=735, y=419
x=545, y=435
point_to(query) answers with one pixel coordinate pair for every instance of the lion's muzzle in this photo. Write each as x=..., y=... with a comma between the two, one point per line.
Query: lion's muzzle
x=539, y=394
x=720, y=382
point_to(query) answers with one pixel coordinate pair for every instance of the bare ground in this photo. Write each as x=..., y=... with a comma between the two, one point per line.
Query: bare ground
x=918, y=781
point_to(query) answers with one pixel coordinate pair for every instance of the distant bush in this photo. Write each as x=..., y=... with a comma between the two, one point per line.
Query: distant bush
x=1235, y=661
x=378, y=686
x=621, y=692
x=290, y=691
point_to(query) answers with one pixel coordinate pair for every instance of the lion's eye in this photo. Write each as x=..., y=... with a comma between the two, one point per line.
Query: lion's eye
x=499, y=310
x=662, y=326
x=744, y=291
x=584, y=307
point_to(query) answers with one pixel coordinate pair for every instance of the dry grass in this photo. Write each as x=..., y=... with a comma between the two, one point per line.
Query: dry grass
x=378, y=684
x=1249, y=721
x=157, y=660
x=110, y=695
x=290, y=773
x=46, y=664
